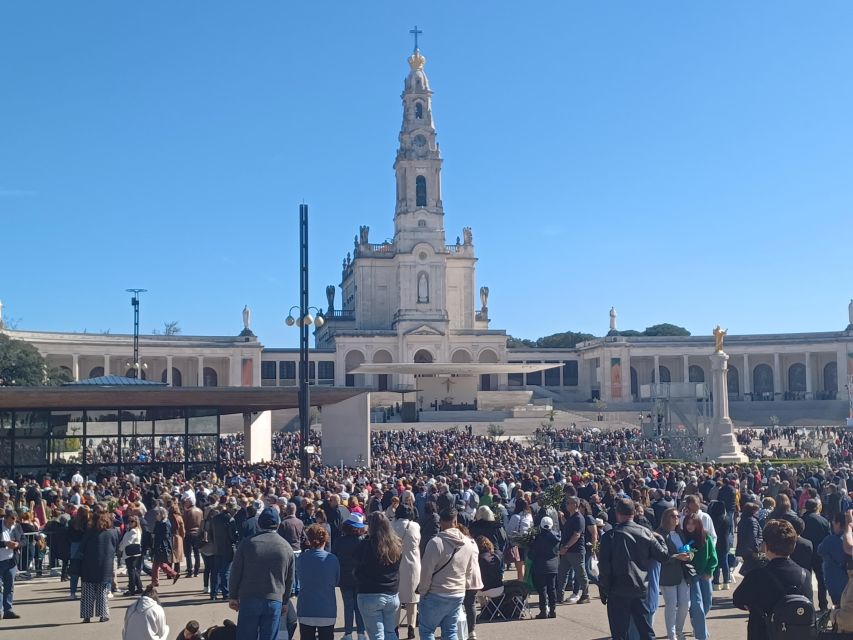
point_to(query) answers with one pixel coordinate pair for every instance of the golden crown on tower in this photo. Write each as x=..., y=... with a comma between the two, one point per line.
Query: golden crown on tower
x=417, y=61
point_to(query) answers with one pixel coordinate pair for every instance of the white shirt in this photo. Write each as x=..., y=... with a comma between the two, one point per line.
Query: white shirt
x=76, y=479
x=707, y=525
x=8, y=535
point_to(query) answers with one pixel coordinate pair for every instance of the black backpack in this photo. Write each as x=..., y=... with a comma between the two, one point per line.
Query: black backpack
x=793, y=616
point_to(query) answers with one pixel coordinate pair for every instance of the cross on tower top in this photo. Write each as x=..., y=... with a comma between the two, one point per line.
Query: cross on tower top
x=416, y=32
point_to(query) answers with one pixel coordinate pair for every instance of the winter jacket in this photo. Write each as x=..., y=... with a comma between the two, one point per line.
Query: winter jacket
x=409, y=532
x=673, y=571
x=491, y=530
x=545, y=553
x=831, y=551
x=319, y=572
x=131, y=536
x=371, y=575
x=99, y=555
x=344, y=548
x=705, y=559
x=490, y=571
x=263, y=568
x=447, y=564
x=163, y=541
x=145, y=620
x=223, y=535
x=624, y=557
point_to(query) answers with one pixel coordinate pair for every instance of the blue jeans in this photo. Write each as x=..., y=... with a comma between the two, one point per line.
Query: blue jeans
x=439, y=611
x=700, y=605
x=379, y=612
x=351, y=611
x=7, y=577
x=258, y=619
x=219, y=579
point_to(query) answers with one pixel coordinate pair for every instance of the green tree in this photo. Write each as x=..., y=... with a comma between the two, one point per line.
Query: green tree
x=666, y=329
x=565, y=340
x=22, y=365
x=514, y=343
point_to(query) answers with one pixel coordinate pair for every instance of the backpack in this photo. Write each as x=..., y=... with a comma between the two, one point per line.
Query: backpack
x=793, y=616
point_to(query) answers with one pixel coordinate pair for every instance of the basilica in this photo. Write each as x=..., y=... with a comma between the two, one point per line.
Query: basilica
x=412, y=319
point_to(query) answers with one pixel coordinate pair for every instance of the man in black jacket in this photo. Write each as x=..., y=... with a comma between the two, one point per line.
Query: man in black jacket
x=816, y=529
x=624, y=557
x=759, y=593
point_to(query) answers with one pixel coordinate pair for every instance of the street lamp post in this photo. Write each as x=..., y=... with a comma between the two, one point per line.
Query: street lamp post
x=136, y=364
x=304, y=320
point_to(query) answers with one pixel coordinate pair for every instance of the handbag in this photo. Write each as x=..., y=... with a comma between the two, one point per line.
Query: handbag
x=132, y=550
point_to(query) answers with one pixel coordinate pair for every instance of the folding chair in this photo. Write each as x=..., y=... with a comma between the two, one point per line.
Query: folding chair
x=491, y=602
x=518, y=593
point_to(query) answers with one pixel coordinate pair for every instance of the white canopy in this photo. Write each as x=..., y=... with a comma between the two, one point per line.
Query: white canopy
x=452, y=368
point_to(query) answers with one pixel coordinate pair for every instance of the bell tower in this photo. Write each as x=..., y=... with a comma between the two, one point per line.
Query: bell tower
x=419, y=215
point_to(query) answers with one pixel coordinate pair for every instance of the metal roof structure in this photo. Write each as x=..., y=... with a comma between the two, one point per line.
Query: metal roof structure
x=452, y=368
x=114, y=381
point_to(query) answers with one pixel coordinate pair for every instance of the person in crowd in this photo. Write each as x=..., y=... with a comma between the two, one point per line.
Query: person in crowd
x=320, y=518
x=519, y=523
x=191, y=631
x=491, y=572
x=817, y=528
x=429, y=524
x=10, y=542
x=261, y=579
x=193, y=518
x=572, y=553
x=486, y=525
x=76, y=530
x=145, y=618
x=473, y=585
x=98, y=551
x=721, y=522
x=223, y=536
x=292, y=529
x=835, y=561
x=207, y=548
x=693, y=505
x=176, y=520
x=803, y=550
x=377, y=573
x=320, y=572
x=763, y=587
x=704, y=561
x=676, y=575
x=624, y=557
x=446, y=570
x=545, y=553
x=749, y=538
x=344, y=547
x=409, y=532
x=130, y=548
x=591, y=537
x=162, y=548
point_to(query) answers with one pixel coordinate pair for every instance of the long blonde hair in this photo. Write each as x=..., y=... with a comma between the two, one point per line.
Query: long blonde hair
x=386, y=544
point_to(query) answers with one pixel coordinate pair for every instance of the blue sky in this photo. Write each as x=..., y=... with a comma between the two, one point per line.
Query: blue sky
x=685, y=162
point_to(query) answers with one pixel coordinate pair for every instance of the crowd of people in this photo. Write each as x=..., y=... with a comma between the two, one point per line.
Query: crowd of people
x=441, y=523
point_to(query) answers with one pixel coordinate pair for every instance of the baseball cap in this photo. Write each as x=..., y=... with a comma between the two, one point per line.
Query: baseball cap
x=546, y=523
x=355, y=520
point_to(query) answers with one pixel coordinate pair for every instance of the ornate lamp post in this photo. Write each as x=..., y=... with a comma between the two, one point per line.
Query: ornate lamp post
x=303, y=321
x=136, y=365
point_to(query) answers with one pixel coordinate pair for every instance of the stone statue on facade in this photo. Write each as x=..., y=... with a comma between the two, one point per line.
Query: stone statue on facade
x=849, y=314
x=363, y=234
x=247, y=316
x=330, y=296
x=719, y=336
x=423, y=288
x=484, y=297
x=613, y=318
x=467, y=236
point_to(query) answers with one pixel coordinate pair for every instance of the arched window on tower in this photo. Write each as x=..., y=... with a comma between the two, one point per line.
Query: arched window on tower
x=419, y=111
x=420, y=192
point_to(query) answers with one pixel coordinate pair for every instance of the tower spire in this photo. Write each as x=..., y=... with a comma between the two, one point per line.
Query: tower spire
x=415, y=32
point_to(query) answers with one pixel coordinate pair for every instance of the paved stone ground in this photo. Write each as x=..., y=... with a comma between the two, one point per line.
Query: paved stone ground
x=46, y=613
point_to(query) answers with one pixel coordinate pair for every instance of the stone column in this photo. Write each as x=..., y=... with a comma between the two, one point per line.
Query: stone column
x=841, y=362
x=686, y=366
x=257, y=430
x=720, y=445
x=200, y=371
x=169, y=370
x=626, y=376
x=777, y=376
x=106, y=365
x=656, y=376
x=746, y=376
x=75, y=367
x=809, y=388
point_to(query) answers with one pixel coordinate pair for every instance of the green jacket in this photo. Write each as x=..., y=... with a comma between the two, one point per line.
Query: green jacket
x=705, y=559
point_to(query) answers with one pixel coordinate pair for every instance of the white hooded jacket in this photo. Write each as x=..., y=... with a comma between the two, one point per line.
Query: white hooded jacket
x=145, y=620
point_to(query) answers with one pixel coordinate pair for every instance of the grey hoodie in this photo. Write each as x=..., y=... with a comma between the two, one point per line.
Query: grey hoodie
x=444, y=572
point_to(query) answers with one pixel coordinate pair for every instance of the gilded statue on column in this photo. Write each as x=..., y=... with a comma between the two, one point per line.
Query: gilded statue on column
x=719, y=336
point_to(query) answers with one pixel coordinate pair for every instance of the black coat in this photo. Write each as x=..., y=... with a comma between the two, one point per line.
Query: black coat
x=817, y=528
x=545, y=552
x=749, y=539
x=759, y=594
x=223, y=534
x=803, y=554
x=163, y=541
x=623, y=560
x=490, y=571
x=491, y=530
x=99, y=555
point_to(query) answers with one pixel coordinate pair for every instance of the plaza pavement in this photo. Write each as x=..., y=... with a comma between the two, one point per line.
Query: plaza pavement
x=46, y=613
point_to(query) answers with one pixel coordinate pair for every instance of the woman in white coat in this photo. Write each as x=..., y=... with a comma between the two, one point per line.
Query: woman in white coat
x=145, y=618
x=409, y=531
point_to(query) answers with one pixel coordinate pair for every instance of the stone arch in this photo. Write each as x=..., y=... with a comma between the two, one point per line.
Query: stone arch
x=177, y=377
x=797, y=378
x=461, y=355
x=382, y=356
x=665, y=375
x=695, y=373
x=830, y=377
x=762, y=379
x=209, y=377
x=488, y=355
x=96, y=372
x=635, y=383
x=423, y=356
x=419, y=111
x=733, y=381
x=420, y=191
x=131, y=373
